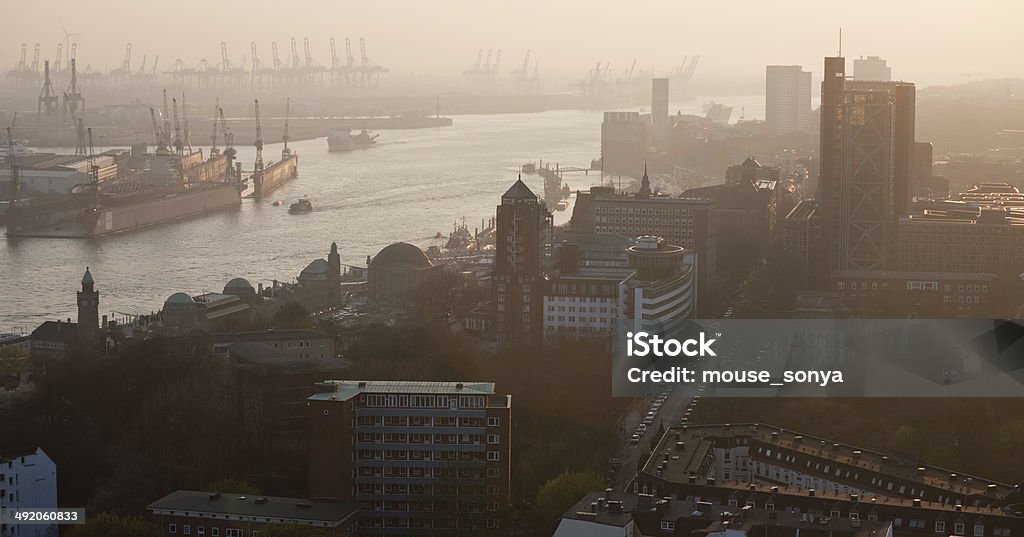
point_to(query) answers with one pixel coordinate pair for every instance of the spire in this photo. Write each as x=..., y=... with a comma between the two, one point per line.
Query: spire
x=519, y=190
x=334, y=247
x=645, y=184
x=87, y=281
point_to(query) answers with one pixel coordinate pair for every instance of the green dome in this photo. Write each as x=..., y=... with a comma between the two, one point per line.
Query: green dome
x=87, y=279
x=179, y=298
x=238, y=283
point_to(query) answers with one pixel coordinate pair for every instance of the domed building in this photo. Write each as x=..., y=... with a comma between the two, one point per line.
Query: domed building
x=183, y=313
x=400, y=270
x=240, y=287
x=323, y=276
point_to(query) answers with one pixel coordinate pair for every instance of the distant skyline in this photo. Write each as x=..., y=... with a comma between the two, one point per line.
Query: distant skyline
x=929, y=43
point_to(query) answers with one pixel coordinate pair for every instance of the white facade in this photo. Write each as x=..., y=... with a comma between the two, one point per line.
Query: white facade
x=580, y=317
x=28, y=480
x=787, y=98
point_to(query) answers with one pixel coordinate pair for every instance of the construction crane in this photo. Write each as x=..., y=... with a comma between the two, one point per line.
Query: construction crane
x=213, y=137
x=285, y=153
x=179, y=145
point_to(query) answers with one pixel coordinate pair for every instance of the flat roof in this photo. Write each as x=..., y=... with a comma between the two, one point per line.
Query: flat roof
x=256, y=507
x=347, y=389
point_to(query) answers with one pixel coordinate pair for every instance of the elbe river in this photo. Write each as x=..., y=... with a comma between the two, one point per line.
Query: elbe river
x=411, y=185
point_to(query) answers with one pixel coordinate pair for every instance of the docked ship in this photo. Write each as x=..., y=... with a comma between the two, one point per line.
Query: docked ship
x=267, y=178
x=555, y=192
x=164, y=187
x=343, y=140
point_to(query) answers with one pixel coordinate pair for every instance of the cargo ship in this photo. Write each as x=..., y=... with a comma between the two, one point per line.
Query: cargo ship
x=165, y=187
x=343, y=140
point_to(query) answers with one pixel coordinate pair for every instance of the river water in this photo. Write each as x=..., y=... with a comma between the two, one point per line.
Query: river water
x=408, y=187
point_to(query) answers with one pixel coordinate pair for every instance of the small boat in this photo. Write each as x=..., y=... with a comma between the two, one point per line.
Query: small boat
x=439, y=235
x=301, y=206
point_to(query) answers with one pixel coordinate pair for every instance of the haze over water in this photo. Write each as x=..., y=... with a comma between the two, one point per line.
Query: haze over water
x=413, y=184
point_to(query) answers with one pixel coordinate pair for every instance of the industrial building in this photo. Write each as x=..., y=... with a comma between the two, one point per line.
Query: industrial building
x=420, y=458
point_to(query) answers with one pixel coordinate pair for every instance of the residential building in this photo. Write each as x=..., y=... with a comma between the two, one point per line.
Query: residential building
x=421, y=458
x=522, y=255
x=222, y=514
x=28, y=479
x=787, y=99
x=922, y=294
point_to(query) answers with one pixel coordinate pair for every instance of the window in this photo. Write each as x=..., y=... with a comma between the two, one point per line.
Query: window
x=200, y=531
x=186, y=529
x=493, y=422
x=492, y=472
x=668, y=525
x=979, y=530
x=493, y=456
x=940, y=526
x=492, y=523
x=214, y=532
x=172, y=528
x=492, y=507
x=492, y=439
x=958, y=528
x=232, y=532
x=1002, y=532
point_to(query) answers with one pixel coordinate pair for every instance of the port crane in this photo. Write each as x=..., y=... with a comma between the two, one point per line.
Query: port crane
x=184, y=113
x=15, y=180
x=80, y=138
x=47, y=97
x=160, y=147
x=179, y=145
x=213, y=137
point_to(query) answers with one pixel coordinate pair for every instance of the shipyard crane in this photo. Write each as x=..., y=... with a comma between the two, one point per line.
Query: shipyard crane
x=15, y=180
x=156, y=132
x=60, y=54
x=73, y=99
x=349, y=58
x=94, y=172
x=22, y=65
x=80, y=138
x=166, y=115
x=126, y=67
x=285, y=153
x=335, y=60
x=255, y=58
x=225, y=63
x=179, y=145
x=309, y=56
x=258, y=166
x=184, y=113
x=213, y=137
x=47, y=97
x=229, y=137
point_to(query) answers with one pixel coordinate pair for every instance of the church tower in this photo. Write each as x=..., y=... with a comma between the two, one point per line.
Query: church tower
x=645, y=185
x=88, y=311
x=334, y=261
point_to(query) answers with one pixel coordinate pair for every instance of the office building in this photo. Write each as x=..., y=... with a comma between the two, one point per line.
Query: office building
x=420, y=458
x=662, y=293
x=522, y=254
x=872, y=68
x=28, y=480
x=685, y=222
x=746, y=210
x=866, y=223
x=787, y=99
x=225, y=514
x=801, y=239
x=830, y=170
x=624, y=142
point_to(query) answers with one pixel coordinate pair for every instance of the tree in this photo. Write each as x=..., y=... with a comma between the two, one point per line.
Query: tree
x=110, y=525
x=563, y=492
x=232, y=485
x=292, y=315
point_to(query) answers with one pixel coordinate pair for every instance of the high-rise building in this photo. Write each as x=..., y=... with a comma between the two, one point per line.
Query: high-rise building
x=787, y=99
x=88, y=312
x=866, y=179
x=522, y=251
x=872, y=68
x=659, y=111
x=624, y=141
x=662, y=293
x=866, y=216
x=421, y=458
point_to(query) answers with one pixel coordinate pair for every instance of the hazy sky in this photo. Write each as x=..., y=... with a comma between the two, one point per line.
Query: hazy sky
x=929, y=42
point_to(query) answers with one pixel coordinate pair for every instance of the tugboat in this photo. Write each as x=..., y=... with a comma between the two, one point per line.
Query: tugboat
x=343, y=140
x=300, y=207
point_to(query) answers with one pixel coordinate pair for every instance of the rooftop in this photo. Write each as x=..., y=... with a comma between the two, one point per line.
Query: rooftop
x=698, y=439
x=298, y=510
x=343, y=390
